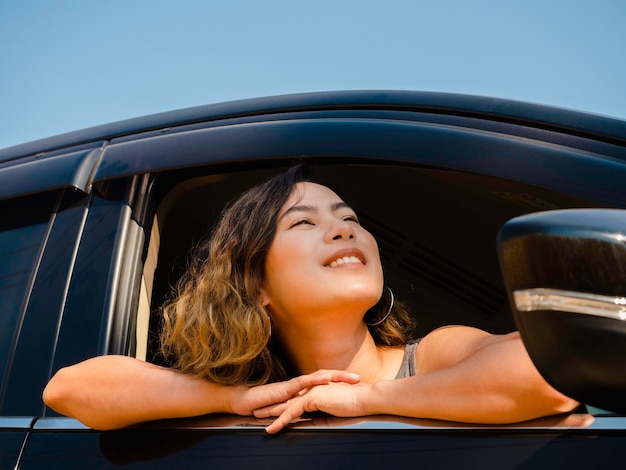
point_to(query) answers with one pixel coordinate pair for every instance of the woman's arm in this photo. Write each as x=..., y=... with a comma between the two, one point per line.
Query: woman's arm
x=110, y=392
x=464, y=374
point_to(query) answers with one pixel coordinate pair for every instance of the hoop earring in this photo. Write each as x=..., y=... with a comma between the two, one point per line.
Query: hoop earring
x=388, y=311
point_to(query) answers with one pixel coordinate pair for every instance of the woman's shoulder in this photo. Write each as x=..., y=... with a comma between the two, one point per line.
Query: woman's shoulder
x=449, y=345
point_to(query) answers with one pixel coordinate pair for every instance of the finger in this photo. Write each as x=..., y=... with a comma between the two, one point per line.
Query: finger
x=322, y=377
x=285, y=418
x=343, y=376
x=283, y=391
x=273, y=410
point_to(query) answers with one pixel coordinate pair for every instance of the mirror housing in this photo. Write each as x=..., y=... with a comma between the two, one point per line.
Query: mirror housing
x=565, y=274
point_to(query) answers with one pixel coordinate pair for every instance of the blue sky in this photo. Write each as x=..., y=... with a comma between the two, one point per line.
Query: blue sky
x=68, y=65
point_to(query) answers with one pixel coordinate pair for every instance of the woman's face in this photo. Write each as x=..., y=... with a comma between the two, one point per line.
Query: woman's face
x=321, y=259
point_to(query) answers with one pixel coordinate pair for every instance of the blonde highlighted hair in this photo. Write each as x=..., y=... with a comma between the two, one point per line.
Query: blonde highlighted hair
x=215, y=327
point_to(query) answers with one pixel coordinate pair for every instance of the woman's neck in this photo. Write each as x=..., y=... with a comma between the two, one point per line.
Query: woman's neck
x=340, y=347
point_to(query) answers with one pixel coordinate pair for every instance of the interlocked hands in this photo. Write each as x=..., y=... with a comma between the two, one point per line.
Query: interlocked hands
x=335, y=392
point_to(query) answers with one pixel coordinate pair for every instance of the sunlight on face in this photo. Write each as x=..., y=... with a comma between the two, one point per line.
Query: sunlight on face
x=321, y=259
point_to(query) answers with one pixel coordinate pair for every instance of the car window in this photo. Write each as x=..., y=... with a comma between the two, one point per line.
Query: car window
x=23, y=230
x=436, y=231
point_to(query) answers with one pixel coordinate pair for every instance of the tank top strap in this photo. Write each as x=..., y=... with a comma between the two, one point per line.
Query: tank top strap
x=408, y=368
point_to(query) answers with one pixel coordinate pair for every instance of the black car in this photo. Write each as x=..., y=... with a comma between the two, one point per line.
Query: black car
x=490, y=213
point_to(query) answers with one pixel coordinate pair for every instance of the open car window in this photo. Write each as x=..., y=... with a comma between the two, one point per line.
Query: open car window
x=436, y=231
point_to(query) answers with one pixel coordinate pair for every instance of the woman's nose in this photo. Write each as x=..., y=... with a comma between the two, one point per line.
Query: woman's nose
x=340, y=230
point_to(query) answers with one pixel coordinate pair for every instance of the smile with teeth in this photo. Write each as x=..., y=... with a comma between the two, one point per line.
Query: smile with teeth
x=344, y=260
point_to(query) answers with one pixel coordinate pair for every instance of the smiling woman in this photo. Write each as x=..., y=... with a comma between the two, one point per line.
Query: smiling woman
x=282, y=313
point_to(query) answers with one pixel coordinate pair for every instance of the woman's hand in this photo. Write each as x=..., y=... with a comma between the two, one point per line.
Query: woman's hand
x=338, y=399
x=245, y=400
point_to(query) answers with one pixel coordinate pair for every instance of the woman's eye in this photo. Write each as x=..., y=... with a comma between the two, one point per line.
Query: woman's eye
x=302, y=222
x=352, y=218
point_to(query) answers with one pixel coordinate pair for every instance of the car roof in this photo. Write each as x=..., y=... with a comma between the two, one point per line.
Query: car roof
x=598, y=127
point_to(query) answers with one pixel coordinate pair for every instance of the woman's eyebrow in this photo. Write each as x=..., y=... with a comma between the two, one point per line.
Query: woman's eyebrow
x=340, y=205
x=305, y=208
x=300, y=208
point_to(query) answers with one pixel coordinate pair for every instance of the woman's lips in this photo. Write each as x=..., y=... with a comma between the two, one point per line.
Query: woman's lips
x=345, y=257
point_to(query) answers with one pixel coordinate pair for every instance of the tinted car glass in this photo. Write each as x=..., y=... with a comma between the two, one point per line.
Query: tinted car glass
x=31, y=354
x=22, y=231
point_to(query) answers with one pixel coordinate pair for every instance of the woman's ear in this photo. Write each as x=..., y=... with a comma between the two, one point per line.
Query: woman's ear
x=263, y=297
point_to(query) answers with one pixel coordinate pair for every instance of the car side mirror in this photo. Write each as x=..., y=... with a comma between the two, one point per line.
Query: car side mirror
x=565, y=274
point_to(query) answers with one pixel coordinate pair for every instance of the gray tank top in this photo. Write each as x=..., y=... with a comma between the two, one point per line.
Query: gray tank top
x=408, y=368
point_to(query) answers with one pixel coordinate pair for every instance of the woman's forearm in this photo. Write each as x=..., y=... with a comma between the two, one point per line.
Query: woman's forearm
x=110, y=392
x=496, y=384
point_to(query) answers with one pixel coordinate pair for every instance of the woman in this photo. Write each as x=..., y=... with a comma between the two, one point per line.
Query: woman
x=290, y=285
